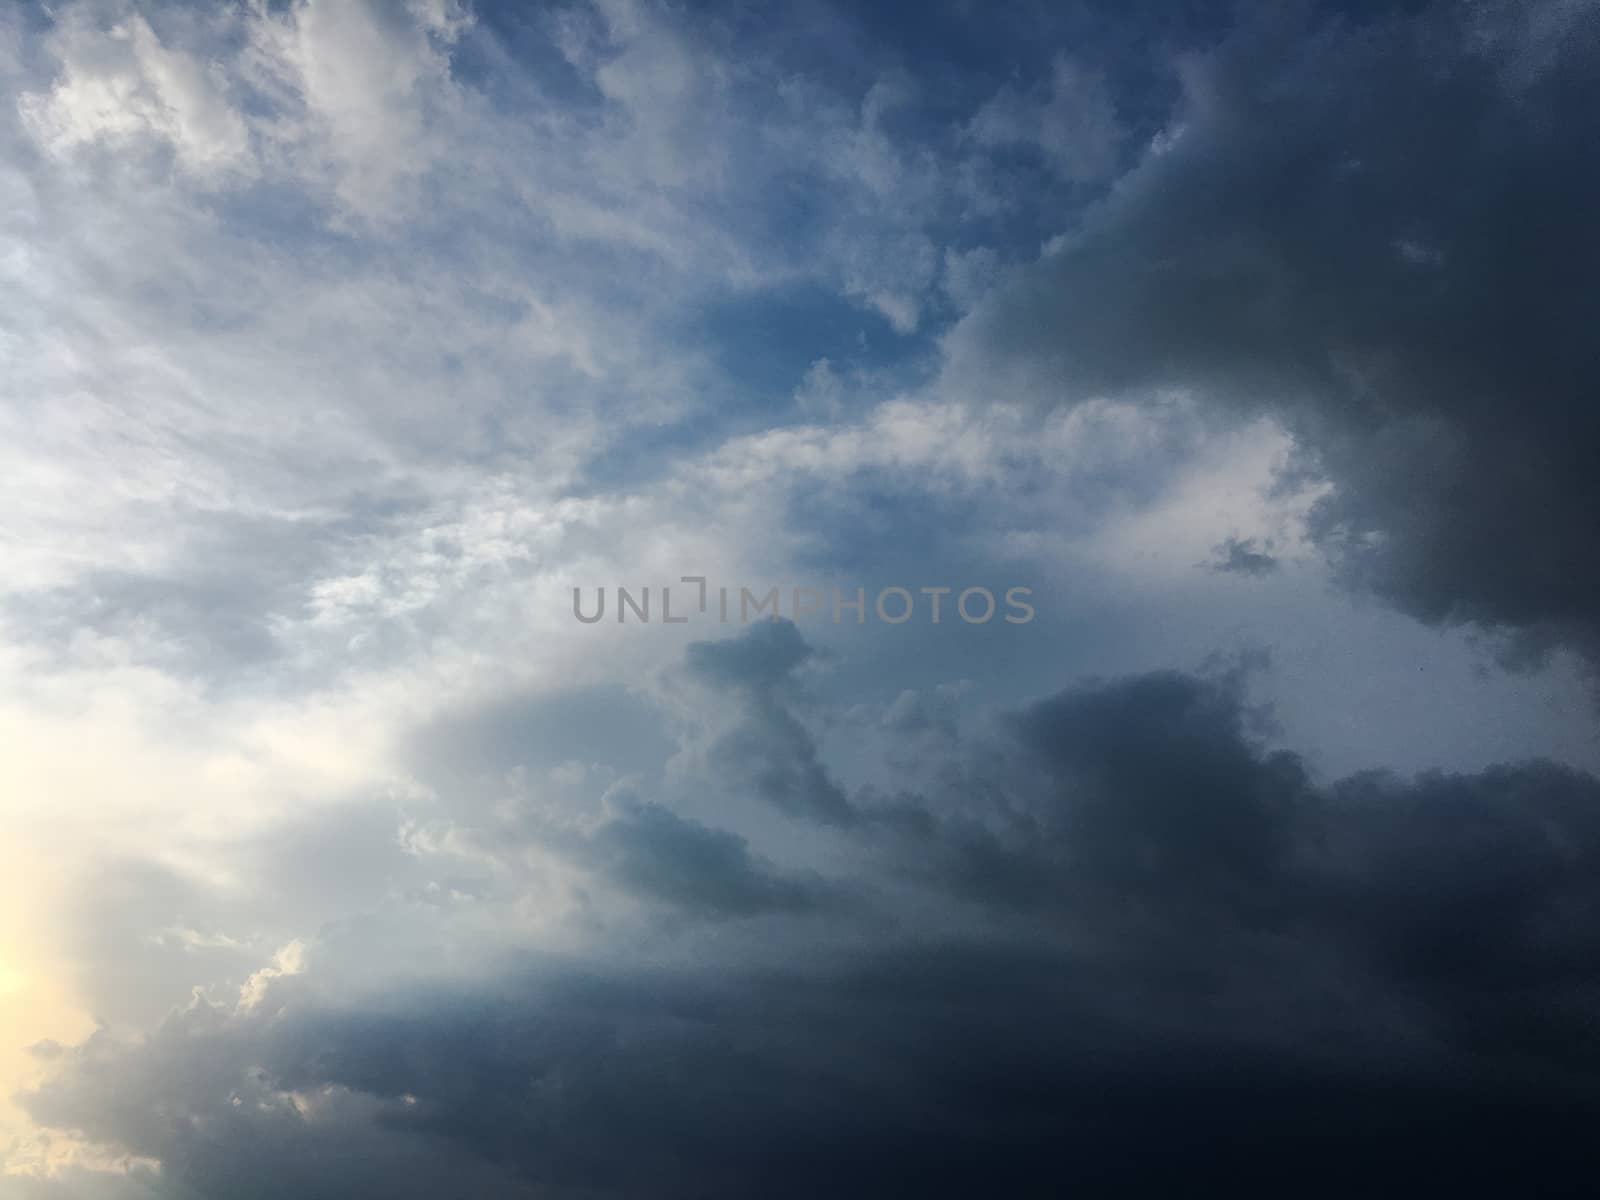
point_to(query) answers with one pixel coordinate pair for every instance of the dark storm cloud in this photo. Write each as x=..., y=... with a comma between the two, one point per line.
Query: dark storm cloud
x=942, y=1073
x=1381, y=230
x=1149, y=954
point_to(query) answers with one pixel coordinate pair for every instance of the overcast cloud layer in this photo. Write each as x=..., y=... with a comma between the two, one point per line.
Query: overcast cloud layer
x=344, y=340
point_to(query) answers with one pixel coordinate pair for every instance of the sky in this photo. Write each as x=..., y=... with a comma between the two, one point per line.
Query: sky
x=1197, y=400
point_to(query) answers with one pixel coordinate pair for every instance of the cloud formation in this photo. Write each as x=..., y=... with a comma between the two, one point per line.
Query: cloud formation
x=1378, y=231
x=344, y=340
x=1154, y=947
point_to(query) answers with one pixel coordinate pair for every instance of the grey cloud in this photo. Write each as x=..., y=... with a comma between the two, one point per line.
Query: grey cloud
x=759, y=660
x=1253, y=257
x=228, y=589
x=1074, y=127
x=1243, y=556
x=1220, y=971
x=654, y=853
x=769, y=751
x=604, y=724
x=504, y=766
x=773, y=754
x=143, y=934
x=202, y=1098
x=139, y=1182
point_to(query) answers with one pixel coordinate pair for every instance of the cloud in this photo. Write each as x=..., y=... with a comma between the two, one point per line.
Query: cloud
x=604, y=724
x=1243, y=556
x=1174, y=948
x=652, y=852
x=769, y=750
x=125, y=84
x=343, y=340
x=1073, y=125
x=1374, y=228
x=375, y=87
